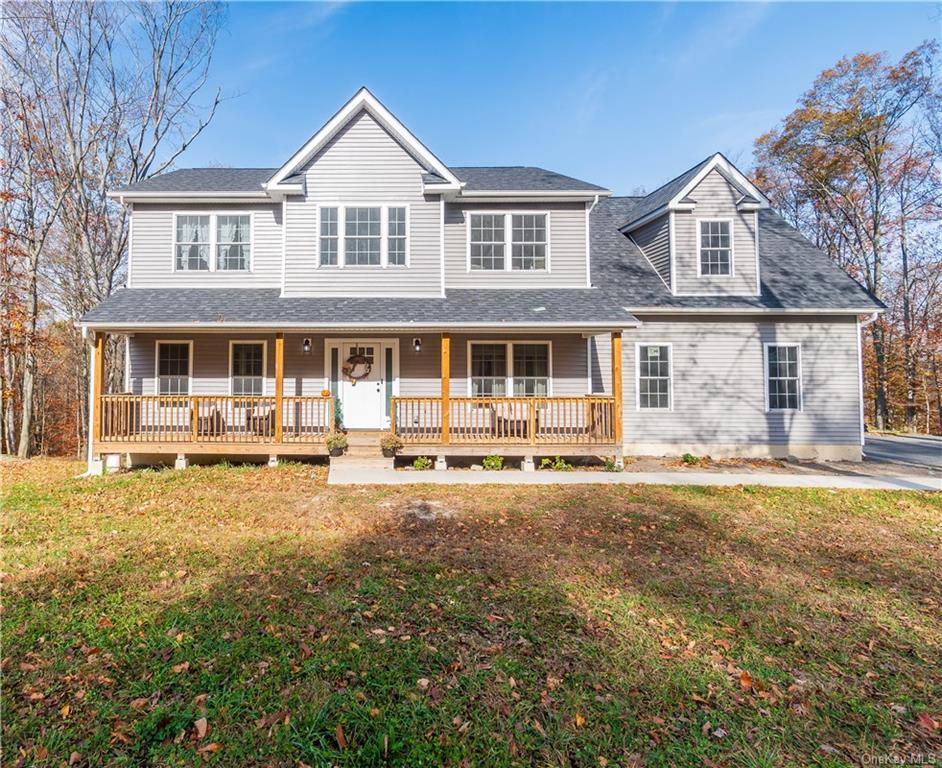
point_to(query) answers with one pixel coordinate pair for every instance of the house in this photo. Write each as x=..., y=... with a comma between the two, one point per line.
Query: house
x=470, y=310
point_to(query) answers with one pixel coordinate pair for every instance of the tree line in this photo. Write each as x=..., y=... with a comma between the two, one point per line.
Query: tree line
x=98, y=95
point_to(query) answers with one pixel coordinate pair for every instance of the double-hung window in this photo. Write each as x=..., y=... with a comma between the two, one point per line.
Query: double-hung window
x=363, y=236
x=518, y=368
x=494, y=236
x=247, y=367
x=654, y=376
x=233, y=242
x=209, y=242
x=173, y=367
x=716, y=249
x=783, y=377
x=191, y=244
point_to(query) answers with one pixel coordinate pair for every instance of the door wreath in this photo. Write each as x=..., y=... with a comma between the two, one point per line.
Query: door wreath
x=356, y=367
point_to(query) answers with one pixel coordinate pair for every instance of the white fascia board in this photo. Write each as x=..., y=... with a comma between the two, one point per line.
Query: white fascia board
x=184, y=197
x=748, y=311
x=656, y=214
x=629, y=322
x=532, y=196
x=729, y=170
x=363, y=99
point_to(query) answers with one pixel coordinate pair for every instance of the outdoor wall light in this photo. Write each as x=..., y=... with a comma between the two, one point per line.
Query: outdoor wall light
x=417, y=344
x=306, y=346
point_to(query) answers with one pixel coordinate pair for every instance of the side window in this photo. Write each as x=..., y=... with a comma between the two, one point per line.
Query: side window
x=396, y=237
x=329, y=237
x=487, y=241
x=783, y=371
x=233, y=242
x=654, y=376
x=528, y=242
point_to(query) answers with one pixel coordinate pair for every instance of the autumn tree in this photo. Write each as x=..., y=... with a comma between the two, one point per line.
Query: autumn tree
x=856, y=167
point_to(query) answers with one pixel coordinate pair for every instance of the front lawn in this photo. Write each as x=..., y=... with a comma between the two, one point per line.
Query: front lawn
x=247, y=616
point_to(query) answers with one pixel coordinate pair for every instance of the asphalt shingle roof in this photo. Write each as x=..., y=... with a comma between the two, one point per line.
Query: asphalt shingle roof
x=513, y=178
x=663, y=194
x=204, y=180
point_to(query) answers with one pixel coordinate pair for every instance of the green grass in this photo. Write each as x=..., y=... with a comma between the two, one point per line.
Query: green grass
x=494, y=625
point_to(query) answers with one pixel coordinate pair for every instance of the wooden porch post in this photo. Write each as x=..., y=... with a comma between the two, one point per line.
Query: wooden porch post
x=279, y=384
x=616, y=388
x=446, y=381
x=98, y=377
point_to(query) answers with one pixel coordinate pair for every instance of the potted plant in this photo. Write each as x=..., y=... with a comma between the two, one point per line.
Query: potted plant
x=390, y=443
x=336, y=443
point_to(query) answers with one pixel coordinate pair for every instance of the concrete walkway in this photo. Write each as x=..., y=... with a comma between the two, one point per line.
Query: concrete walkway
x=350, y=474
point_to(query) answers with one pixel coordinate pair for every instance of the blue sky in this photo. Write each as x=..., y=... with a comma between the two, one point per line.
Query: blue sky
x=620, y=94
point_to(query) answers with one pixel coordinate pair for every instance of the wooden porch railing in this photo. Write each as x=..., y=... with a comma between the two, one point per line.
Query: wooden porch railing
x=588, y=420
x=214, y=419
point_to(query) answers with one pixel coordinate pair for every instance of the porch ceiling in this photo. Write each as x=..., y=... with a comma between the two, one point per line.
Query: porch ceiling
x=212, y=308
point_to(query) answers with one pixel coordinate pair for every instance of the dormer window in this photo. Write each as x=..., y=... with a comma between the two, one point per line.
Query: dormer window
x=716, y=246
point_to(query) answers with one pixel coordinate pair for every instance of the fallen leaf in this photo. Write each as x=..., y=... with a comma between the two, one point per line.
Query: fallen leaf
x=139, y=703
x=182, y=667
x=927, y=722
x=719, y=733
x=580, y=720
x=74, y=758
x=422, y=682
x=341, y=739
x=201, y=725
x=213, y=746
x=745, y=680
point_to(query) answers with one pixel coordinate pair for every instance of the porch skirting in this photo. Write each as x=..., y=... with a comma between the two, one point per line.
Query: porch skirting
x=802, y=451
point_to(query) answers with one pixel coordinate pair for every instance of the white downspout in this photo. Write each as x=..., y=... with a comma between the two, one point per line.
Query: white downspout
x=588, y=241
x=860, y=369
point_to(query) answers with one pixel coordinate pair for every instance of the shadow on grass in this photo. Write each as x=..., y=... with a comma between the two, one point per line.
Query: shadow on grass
x=479, y=626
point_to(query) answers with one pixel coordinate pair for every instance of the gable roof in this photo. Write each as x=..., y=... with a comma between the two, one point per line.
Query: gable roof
x=672, y=193
x=363, y=100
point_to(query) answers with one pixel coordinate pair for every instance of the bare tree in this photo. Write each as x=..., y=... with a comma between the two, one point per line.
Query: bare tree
x=119, y=88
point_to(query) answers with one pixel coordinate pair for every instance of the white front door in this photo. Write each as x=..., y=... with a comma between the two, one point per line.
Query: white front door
x=362, y=399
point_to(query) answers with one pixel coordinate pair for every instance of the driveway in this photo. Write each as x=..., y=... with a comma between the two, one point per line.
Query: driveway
x=918, y=452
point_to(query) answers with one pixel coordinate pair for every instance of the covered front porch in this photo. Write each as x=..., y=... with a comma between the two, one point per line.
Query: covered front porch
x=251, y=394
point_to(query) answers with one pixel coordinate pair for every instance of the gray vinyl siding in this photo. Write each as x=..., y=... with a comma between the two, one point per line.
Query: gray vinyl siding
x=419, y=372
x=719, y=382
x=654, y=240
x=152, y=243
x=567, y=240
x=363, y=165
x=716, y=199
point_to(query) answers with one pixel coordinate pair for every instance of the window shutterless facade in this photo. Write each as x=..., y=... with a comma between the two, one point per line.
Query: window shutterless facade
x=174, y=365
x=715, y=237
x=519, y=368
x=211, y=242
x=363, y=236
x=247, y=367
x=500, y=241
x=654, y=376
x=783, y=377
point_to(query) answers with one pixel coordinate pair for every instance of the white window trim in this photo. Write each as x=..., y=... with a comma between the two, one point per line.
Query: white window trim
x=508, y=240
x=732, y=247
x=383, y=230
x=213, y=242
x=264, y=343
x=189, y=376
x=509, y=378
x=765, y=377
x=670, y=375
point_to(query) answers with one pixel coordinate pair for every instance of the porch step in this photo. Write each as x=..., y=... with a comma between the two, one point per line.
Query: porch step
x=364, y=449
x=352, y=461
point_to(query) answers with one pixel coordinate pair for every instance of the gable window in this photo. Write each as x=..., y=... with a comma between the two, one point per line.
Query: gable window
x=363, y=236
x=191, y=243
x=362, y=239
x=654, y=376
x=396, y=234
x=492, y=236
x=173, y=367
x=233, y=238
x=716, y=250
x=521, y=369
x=247, y=367
x=330, y=235
x=783, y=377
x=487, y=241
